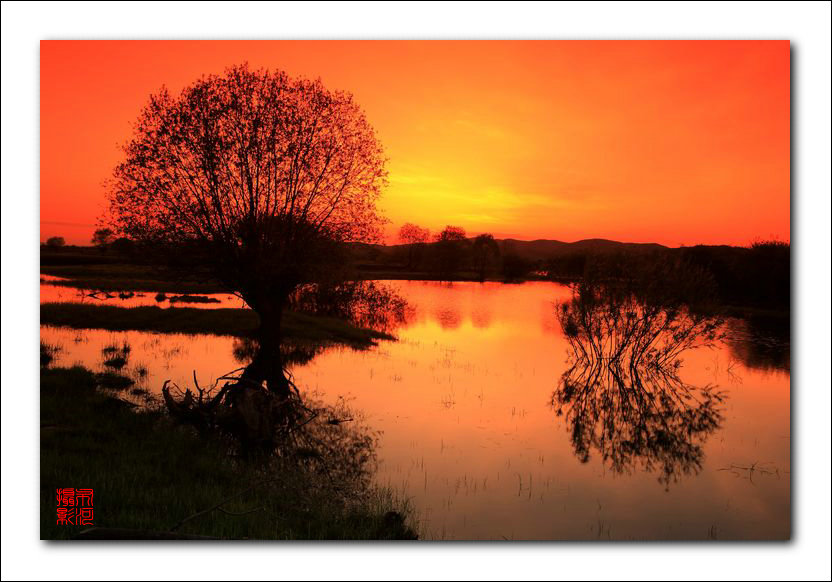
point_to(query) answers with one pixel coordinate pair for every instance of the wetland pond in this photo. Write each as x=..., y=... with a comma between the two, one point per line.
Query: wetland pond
x=483, y=430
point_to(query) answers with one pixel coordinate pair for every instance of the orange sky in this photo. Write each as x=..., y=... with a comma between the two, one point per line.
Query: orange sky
x=676, y=142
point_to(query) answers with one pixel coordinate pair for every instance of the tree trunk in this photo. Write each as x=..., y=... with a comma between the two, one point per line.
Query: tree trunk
x=267, y=364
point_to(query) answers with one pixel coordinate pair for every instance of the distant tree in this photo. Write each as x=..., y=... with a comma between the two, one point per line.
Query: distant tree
x=123, y=246
x=515, y=268
x=486, y=251
x=770, y=244
x=103, y=237
x=414, y=236
x=759, y=275
x=410, y=233
x=265, y=173
x=567, y=266
x=451, y=233
x=450, y=245
x=55, y=242
x=768, y=270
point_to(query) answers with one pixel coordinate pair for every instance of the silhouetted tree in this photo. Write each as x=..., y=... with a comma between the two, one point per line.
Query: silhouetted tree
x=758, y=275
x=55, y=242
x=515, y=268
x=568, y=266
x=123, y=246
x=770, y=272
x=414, y=236
x=449, y=251
x=451, y=233
x=102, y=237
x=486, y=252
x=265, y=173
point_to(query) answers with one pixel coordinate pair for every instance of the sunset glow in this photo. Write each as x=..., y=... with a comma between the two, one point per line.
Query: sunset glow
x=676, y=142
x=416, y=290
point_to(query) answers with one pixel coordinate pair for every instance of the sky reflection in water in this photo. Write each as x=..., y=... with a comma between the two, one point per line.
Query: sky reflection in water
x=464, y=400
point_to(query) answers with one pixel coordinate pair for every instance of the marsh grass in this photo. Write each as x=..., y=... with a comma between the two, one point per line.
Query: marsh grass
x=224, y=321
x=113, y=349
x=149, y=474
x=116, y=356
x=127, y=277
x=113, y=381
x=115, y=362
x=48, y=352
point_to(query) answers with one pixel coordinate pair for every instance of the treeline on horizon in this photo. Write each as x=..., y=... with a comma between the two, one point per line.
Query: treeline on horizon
x=757, y=276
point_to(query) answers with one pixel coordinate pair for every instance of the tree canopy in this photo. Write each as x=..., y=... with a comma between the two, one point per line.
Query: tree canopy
x=102, y=237
x=410, y=233
x=451, y=233
x=55, y=242
x=258, y=166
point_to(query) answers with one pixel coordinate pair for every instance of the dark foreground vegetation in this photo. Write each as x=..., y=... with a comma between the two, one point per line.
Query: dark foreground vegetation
x=154, y=479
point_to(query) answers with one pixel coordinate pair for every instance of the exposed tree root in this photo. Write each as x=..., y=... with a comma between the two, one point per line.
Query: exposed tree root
x=242, y=408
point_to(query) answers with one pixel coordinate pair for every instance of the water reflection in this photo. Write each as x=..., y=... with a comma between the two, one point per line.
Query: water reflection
x=622, y=394
x=245, y=350
x=259, y=404
x=448, y=318
x=469, y=435
x=761, y=343
x=363, y=303
x=52, y=291
x=331, y=442
x=482, y=318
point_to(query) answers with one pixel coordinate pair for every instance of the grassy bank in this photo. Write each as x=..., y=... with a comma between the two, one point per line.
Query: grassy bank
x=149, y=475
x=238, y=322
x=128, y=277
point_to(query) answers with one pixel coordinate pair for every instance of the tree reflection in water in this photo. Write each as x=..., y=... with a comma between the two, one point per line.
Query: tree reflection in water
x=329, y=445
x=622, y=394
x=330, y=442
x=246, y=349
x=245, y=407
x=363, y=303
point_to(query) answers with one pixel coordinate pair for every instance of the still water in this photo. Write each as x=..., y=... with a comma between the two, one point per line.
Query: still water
x=471, y=436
